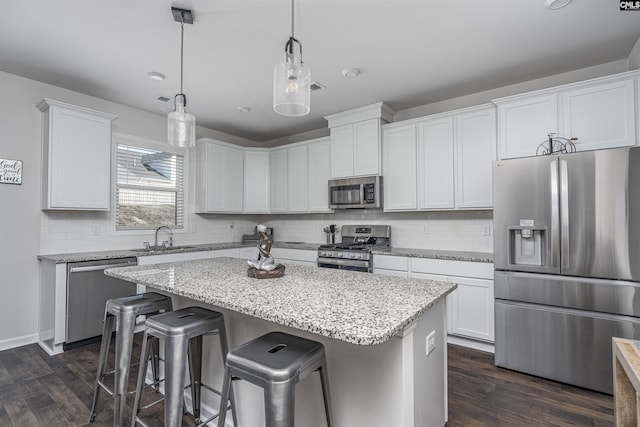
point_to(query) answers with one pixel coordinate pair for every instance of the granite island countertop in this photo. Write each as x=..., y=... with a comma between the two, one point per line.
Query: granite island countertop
x=359, y=308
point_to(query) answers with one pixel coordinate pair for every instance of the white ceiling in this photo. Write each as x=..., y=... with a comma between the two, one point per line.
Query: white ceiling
x=410, y=52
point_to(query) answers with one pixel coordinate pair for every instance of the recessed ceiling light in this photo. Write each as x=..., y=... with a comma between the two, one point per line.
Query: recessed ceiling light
x=350, y=72
x=244, y=109
x=556, y=4
x=155, y=75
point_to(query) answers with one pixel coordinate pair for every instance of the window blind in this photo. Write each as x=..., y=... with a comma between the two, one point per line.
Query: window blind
x=149, y=188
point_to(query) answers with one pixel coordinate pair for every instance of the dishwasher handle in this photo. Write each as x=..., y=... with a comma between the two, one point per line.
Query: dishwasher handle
x=101, y=267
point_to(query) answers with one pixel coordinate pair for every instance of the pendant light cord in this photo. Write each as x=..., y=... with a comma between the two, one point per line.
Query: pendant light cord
x=181, y=50
x=289, y=46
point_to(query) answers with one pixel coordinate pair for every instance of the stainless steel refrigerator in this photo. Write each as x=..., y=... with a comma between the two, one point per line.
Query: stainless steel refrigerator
x=567, y=263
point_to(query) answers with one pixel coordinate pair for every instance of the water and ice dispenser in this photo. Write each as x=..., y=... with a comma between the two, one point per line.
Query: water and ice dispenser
x=526, y=246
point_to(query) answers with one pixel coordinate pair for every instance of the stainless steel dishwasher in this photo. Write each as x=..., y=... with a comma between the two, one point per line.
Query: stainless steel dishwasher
x=88, y=289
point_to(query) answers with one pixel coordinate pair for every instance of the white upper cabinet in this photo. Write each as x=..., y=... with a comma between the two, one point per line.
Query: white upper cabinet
x=76, y=162
x=219, y=177
x=436, y=163
x=602, y=116
x=399, y=167
x=440, y=162
x=476, y=151
x=342, y=151
x=319, y=167
x=299, y=175
x=525, y=123
x=256, y=181
x=279, y=184
x=355, y=140
x=598, y=113
x=297, y=179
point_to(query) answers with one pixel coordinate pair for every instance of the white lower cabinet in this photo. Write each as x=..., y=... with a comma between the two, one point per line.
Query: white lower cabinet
x=469, y=306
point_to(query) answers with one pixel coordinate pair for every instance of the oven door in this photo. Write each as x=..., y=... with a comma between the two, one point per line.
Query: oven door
x=345, y=264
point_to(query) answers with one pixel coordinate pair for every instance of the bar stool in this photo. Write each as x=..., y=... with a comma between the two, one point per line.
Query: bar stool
x=120, y=315
x=181, y=332
x=276, y=362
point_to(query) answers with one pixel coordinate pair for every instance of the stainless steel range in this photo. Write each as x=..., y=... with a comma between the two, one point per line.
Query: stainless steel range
x=354, y=252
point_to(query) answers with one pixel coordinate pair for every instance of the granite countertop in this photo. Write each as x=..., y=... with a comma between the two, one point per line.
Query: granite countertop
x=439, y=254
x=359, y=308
x=124, y=253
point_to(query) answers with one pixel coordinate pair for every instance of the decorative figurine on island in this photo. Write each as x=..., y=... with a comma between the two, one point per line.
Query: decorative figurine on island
x=264, y=267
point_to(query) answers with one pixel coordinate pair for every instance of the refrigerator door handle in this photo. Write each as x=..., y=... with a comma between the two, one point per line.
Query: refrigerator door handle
x=555, y=216
x=564, y=215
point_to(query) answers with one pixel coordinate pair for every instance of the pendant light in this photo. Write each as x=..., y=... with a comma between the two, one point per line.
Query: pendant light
x=181, y=126
x=292, y=81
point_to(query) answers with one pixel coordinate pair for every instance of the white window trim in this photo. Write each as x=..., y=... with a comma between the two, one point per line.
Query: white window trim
x=121, y=138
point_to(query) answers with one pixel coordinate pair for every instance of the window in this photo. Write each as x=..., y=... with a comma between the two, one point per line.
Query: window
x=149, y=187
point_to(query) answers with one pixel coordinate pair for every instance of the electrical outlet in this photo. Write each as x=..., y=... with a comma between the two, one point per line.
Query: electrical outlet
x=431, y=342
x=486, y=230
x=231, y=225
x=425, y=229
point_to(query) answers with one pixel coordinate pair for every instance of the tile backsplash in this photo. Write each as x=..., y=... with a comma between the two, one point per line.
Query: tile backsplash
x=64, y=232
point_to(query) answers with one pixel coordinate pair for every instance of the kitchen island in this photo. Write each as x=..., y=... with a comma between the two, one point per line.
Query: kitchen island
x=374, y=329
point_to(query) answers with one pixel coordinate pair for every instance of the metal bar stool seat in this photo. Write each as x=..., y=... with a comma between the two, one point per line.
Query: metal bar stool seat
x=120, y=315
x=181, y=332
x=276, y=362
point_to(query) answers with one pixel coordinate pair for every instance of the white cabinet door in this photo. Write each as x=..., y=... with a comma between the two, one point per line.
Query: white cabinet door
x=319, y=166
x=297, y=178
x=219, y=177
x=601, y=116
x=256, y=181
x=355, y=149
x=366, y=147
x=525, y=123
x=278, y=173
x=476, y=151
x=399, y=167
x=436, y=163
x=342, y=151
x=470, y=308
x=76, y=157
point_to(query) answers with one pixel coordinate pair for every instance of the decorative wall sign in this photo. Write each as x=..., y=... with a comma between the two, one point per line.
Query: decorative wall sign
x=10, y=171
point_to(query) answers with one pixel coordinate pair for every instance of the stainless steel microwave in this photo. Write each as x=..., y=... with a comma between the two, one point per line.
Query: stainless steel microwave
x=358, y=192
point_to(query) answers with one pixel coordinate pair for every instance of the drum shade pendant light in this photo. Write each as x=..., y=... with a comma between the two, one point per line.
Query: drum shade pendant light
x=292, y=81
x=181, y=126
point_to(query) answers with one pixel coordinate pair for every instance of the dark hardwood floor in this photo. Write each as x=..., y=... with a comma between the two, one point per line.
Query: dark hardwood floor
x=39, y=390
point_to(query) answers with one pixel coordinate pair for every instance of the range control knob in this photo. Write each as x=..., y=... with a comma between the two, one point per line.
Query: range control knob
x=337, y=254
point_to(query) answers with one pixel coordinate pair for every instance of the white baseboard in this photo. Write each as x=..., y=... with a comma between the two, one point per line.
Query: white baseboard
x=18, y=341
x=487, y=347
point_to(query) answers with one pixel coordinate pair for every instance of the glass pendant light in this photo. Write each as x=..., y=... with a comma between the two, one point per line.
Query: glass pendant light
x=292, y=81
x=181, y=126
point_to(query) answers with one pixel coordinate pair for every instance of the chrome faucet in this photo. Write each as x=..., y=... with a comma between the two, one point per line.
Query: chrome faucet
x=170, y=235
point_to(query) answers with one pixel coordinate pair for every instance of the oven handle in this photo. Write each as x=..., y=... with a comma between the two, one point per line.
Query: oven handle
x=342, y=261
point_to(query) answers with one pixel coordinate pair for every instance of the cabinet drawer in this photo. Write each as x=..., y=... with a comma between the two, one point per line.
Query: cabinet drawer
x=294, y=254
x=482, y=270
x=391, y=262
